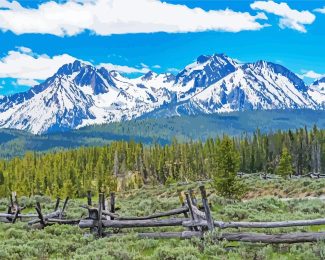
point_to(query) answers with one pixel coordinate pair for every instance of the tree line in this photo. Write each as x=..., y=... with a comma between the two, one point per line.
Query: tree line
x=73, y=172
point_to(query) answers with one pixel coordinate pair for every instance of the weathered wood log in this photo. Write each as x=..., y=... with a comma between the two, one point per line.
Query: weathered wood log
x=87, y=223
x=16, y=215
x=110, y=214
x=156, y=215
x=198, y=212
x=89, y=207
x=89, y=198
x=64, y=206
x=112, y=204
x=100, y=205
x=47, y=216
x=192, y=196
x=6, y=215
x=57, y=204
x=103, y=202
x=276, y=224
x=40, y=215
x=11, y=201
x=241, y=237
x=190, y=207
x=206, y=208
x=64, y=221
x=181, y=200
x=4, y=220
x=274, y=239
x=153, y=235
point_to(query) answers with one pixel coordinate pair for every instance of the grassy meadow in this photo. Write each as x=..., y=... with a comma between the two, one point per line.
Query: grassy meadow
x=266, y=200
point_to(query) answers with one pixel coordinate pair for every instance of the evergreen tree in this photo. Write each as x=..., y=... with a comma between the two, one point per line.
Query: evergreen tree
x=285, y=164
x=225, y=180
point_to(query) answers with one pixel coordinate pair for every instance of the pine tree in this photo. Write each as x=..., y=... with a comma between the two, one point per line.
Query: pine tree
x=225, y=181
x=285, y=168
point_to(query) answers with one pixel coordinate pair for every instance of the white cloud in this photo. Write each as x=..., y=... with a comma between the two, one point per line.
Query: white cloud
x=290, y=18
x=24, y=64
x=320, y=10
x=23, y=49
x=28, y=67
x=173, y=70
x=106, y=17
x=123, y=69
x=27, y=82
x=156, y=66
x=311, y=74
x=144, y=65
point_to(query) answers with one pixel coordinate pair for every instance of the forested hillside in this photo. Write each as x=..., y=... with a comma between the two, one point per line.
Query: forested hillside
x=161, y=131
x=125, y=165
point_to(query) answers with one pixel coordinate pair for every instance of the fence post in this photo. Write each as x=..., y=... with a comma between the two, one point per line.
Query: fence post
x=206, y=208
x=181, y=200
x=100, y=204
x=89, y=198
x=57, y=204
x=112, y=204
x=103, y=202
x=189, y=204
x=192, y=196
x=64, y=206
x=40, y=215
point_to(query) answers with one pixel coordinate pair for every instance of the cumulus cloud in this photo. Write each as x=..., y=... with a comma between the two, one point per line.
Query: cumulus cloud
x=311, y=74
x=23, y=49
x=28, y=67
x=320, y=10
x=106, y=17
x=25, y=65
x=27, y=82
x=173, y=70
x=289, y=18
x=124, y=69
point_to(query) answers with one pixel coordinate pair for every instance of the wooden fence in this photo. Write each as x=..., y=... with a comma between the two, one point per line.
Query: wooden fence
x=195, y=219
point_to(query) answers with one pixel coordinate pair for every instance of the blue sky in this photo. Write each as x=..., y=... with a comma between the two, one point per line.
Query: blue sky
x=142, y=35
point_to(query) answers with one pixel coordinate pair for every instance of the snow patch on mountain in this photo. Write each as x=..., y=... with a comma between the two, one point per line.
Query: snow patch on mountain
x=317, y=92
x=81, y=94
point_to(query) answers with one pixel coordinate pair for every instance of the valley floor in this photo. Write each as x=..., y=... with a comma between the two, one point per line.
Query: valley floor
x=267, y=200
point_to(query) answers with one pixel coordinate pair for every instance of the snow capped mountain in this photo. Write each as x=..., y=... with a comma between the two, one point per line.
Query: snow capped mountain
x=202, y=73
x=317, y=92
x=62, y=105
x=81, y=94
x=260, y=85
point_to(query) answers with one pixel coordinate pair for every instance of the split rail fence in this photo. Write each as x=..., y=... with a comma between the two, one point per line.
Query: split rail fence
x=195, y=218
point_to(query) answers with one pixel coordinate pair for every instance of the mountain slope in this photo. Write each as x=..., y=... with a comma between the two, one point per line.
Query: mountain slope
x=317, y=91
x=81, y=94
x=260, y=85
x=61, y=105
x=161, y=130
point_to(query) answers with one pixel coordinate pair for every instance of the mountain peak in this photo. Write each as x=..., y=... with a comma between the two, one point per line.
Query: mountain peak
x=70, y=68
x=82, y=94
x=261, y=66
x=207, y=70
x=149, y=75
x=202, y=59
x=216, y=57
x=321, y=80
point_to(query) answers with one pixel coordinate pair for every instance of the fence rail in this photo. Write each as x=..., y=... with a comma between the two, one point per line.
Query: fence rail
x=194, y=218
